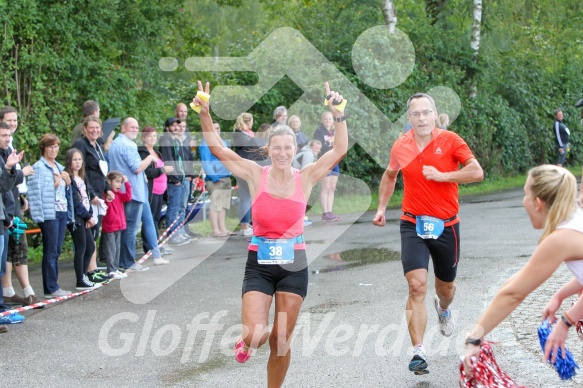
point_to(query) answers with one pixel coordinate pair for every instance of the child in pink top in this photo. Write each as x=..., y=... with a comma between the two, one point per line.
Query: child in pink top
x=114, y=221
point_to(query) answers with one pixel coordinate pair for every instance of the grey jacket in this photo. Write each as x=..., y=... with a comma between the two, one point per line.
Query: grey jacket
x=304, y=157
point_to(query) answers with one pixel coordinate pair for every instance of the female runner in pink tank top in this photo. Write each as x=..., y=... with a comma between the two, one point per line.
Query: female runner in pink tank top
x=276, y=263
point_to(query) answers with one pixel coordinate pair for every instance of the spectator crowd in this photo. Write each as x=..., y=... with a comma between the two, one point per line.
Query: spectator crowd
x=112, y=186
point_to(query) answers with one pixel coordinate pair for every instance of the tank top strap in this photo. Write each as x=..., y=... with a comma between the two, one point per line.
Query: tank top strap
x=264, y=178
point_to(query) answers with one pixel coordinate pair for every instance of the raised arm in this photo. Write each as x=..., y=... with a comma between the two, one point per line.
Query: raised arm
x=331, y=158
x=239, y=166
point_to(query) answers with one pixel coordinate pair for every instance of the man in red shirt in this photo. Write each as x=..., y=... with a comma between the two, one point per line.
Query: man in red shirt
x=429, y=158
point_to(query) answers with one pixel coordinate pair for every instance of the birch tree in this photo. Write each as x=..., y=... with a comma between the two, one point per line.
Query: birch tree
x=390, y=15
x=475, y=41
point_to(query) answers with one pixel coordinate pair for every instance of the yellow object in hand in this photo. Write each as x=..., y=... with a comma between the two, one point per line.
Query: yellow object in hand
x=340, y=107
x=203, y=96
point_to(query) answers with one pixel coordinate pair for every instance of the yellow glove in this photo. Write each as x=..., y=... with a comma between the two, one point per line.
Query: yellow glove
x=203, y=96
x=340, y=107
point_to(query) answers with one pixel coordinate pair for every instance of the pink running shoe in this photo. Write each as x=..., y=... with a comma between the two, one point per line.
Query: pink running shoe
x=242, y=351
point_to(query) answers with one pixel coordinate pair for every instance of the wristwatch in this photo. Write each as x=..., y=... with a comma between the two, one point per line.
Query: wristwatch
x=473, y=341
x=341, y=118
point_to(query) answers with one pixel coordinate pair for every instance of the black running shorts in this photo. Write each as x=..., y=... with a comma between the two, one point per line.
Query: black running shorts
x=444, y=251
x=273, y=277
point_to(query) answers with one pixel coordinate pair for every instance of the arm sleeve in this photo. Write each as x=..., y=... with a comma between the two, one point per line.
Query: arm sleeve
x=35, y=196
x=152, y=172
x=19, y=176
x=127, y=196
x=558, y=134
x=462, y=151
x=7, y=180
x=78, y=204
x=166, y=149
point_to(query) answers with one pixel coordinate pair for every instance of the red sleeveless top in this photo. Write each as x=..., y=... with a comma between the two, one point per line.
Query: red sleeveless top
x=278, y=217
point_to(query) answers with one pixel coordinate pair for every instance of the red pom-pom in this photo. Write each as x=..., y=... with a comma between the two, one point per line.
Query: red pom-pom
x=487, y=372
x=580, y=329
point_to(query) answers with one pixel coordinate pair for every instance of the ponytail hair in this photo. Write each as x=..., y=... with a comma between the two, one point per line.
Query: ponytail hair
x=557, y=188
x=242, y=121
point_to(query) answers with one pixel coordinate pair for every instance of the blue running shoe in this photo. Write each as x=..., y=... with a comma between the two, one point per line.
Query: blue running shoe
x=418, y=364
x=11, y=319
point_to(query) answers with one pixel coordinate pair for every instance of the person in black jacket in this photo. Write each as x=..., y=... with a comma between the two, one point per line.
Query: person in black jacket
x=562, y=135
x=84, y=220
x=175, y=149
x=96, y=169
x=15, y=246
x=157, y=181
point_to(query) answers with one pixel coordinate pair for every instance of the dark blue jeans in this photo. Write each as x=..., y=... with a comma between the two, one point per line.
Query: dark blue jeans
x=133, y=210
x=53, y=235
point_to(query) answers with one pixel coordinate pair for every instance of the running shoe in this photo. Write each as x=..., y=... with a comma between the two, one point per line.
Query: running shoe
x=160, y=261
x=117, y=275
x=86, y=284
x=446, y=322
x=137, y=268
x=97, y=276
x=418, y=364
x=178, y=240
x=57, y=294
x=164, y=250
x=11, y=319
x=330, y=217
x=242, y=351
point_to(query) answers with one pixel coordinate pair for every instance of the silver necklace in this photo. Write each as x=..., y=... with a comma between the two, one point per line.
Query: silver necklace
x=277, y=187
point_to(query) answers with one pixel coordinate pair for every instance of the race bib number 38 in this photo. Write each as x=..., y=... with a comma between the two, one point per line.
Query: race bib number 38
x=275, y=251
x=429, y=227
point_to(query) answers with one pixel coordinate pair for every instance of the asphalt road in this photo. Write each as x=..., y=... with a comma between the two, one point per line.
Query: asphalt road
x=175, y=325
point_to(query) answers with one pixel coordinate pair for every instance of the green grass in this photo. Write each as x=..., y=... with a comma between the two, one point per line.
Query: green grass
x=204, y=227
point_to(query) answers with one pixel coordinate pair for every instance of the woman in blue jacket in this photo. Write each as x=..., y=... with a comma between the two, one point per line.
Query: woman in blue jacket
x=51, y=207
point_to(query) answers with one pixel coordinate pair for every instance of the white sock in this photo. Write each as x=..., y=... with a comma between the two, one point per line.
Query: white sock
x=28, y=291
x=420, y=347
x=9, y=291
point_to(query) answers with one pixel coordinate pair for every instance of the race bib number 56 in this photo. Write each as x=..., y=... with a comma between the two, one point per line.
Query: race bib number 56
x=429, y=227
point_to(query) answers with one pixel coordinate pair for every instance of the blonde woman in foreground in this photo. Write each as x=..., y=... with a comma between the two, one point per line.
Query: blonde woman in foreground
x=550, y=199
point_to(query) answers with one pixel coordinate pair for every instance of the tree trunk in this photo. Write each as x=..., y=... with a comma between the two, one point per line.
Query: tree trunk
x=390, y=14
x=475, y=42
